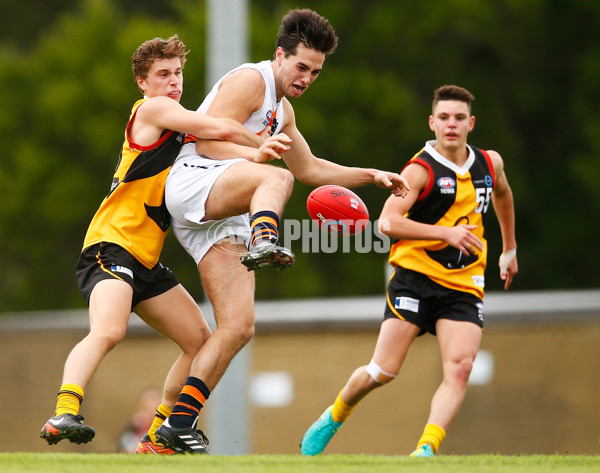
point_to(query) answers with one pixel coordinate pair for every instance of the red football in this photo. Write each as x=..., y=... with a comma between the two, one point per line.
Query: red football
x=337, y=210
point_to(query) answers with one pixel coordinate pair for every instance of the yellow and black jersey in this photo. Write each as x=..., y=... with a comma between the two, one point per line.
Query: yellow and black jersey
x=453, y=196
x=133, y=214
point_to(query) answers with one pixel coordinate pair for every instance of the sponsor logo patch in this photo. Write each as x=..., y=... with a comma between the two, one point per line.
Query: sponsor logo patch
x=480, y=310
x=115, y=268
x=479, y=281
x=407, y=303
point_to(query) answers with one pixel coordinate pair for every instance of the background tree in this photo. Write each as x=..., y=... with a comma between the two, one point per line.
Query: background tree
x=66, y=90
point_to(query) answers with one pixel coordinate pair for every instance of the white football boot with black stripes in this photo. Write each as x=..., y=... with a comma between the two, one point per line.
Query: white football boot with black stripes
x=268, y=254
x=187, y=440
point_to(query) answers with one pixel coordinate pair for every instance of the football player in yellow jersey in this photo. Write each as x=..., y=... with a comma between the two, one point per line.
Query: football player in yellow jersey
x=118, y=271
x=439, y=256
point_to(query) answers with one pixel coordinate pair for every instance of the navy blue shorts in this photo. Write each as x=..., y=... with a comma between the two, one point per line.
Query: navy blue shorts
x=110, y=261
x=414, y=297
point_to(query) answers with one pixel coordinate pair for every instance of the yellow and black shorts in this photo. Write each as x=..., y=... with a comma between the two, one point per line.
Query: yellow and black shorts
x=110, y=261
x=414, y=297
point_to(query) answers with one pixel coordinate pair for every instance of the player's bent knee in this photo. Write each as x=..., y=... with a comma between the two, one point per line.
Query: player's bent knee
x=246, y=334
x=288, y=178
x=282, y=176
x=237, y=335
x=112, y=337
x=464, y=371
x=378, y=375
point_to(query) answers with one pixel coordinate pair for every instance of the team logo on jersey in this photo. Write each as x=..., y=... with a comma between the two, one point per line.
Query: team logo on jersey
x=269, y=118
x=274, y=126
x=447, y=185
x=451, y=258
x=114, y=184
x=159, y=214
x=271, y=121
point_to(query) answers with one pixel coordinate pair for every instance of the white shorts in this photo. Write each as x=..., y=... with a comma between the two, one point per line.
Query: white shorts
x=186, y=189
x=198, y=238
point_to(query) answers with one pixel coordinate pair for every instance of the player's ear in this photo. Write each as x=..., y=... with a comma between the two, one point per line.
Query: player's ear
x=471, y=122
x=279, y=54
x=140, y=83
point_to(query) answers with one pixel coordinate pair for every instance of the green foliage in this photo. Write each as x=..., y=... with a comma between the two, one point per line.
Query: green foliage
x=69, y=99
x=67, y=88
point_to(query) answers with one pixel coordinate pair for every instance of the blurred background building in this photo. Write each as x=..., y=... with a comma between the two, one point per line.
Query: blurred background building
x=534, y=389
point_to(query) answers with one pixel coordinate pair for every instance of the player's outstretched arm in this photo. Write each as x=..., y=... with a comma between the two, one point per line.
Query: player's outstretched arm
x=314, y=171
x=162, y=113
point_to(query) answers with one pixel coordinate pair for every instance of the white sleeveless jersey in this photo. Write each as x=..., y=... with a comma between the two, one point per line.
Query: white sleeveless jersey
x=192, y=176
x=270, y=113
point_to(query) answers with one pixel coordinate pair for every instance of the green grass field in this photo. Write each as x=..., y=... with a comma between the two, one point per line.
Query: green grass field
x=122, y=463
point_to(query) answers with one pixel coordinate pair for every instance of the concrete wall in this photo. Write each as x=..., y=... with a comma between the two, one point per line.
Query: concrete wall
x=543, y=397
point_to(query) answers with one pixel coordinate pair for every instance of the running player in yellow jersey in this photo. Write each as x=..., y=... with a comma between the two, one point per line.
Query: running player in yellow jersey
x=439, y=255
x=119, y=269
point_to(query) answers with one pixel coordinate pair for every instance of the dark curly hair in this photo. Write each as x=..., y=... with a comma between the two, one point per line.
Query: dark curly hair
x=309, y=28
